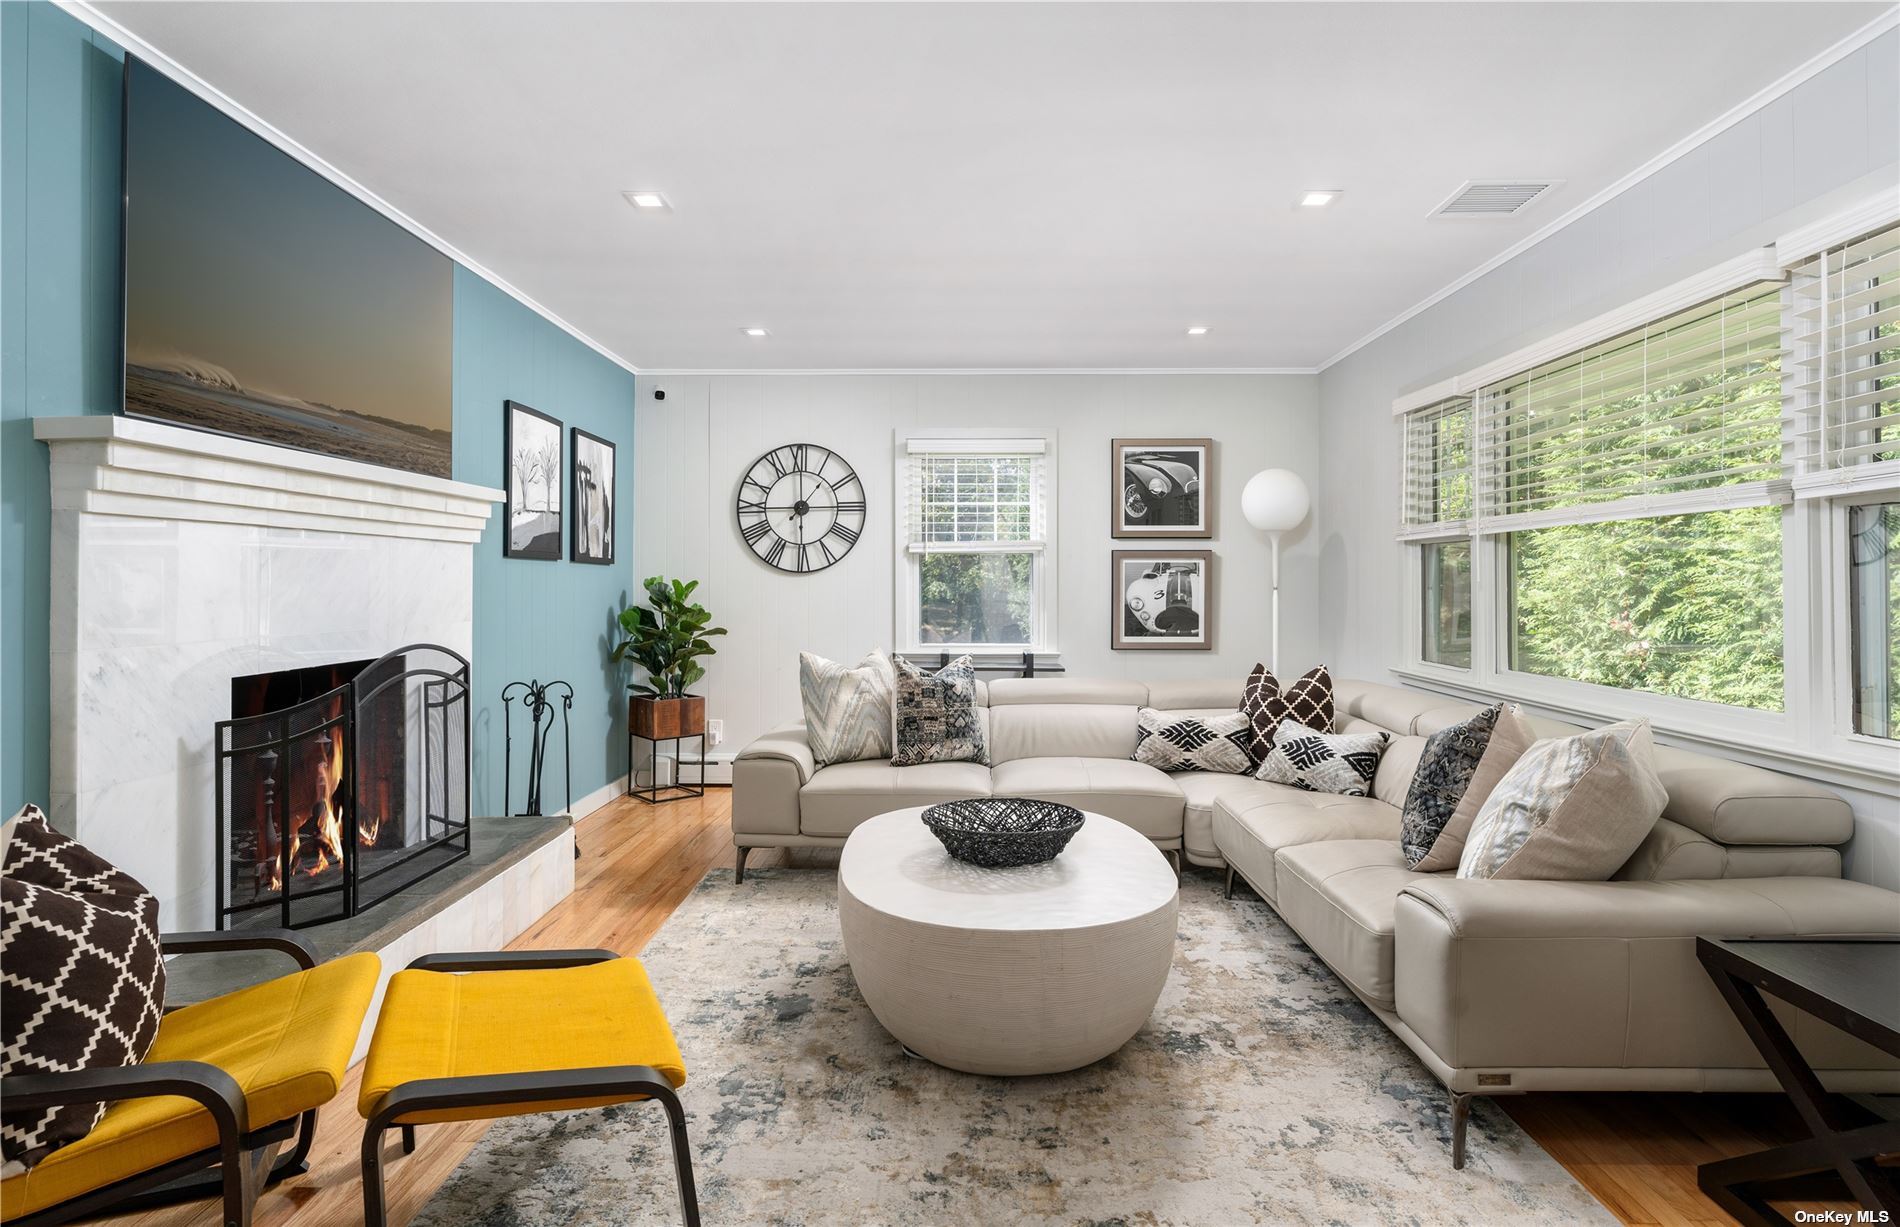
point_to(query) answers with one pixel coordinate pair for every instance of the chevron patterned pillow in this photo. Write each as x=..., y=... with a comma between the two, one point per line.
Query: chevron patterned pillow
x=85, y=982
x=847, y=709
x=1172, y=742
x=1342, y=763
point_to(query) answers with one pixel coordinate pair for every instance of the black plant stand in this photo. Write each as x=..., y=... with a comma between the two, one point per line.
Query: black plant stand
x=680, y=790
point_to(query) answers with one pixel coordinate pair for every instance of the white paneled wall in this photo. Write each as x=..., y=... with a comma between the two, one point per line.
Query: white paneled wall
x=695, y=445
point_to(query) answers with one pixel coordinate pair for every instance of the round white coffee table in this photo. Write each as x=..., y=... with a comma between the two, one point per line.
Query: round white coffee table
x=1031, y=970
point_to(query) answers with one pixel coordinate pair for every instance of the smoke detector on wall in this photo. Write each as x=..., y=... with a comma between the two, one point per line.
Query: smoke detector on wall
x=1486, y=198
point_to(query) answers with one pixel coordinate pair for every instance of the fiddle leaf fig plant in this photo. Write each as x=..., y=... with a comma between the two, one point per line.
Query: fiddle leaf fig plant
x=666, y=637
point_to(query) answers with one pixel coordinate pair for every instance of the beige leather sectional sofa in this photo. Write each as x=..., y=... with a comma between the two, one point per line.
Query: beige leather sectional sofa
x=1500, y=987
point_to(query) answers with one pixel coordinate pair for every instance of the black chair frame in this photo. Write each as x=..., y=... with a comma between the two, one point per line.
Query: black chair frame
x=500, y=1090
x=237, y=1169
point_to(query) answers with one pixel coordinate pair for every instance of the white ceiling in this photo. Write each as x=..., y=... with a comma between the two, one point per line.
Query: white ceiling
x=981, y=185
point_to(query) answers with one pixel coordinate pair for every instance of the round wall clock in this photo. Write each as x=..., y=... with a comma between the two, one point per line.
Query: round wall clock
x=801, y=507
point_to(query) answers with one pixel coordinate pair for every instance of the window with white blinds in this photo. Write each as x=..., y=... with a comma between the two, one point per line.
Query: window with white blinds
x=1844, y=366
x=1438, y=496
x=1678, y=415
x=975, y=494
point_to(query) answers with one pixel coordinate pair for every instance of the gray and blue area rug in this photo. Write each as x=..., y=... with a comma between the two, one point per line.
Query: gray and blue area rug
x=1261, y=1091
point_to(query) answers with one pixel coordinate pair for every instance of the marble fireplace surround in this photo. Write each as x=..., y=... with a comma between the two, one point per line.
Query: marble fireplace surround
x=181, y=559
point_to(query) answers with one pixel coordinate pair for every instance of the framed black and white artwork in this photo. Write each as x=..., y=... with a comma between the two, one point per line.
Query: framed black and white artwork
x=531, y=451
x=591, y=498
x=1162, y=487
x=1163, y=599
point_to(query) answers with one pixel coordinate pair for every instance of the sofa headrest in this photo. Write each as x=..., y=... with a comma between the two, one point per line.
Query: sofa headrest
x=1198, y=694
x=1012, y=691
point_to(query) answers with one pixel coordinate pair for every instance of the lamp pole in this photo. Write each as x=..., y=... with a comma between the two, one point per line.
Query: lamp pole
x=1274, y=501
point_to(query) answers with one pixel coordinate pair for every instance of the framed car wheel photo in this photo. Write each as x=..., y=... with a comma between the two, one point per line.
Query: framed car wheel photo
x=1162, y=488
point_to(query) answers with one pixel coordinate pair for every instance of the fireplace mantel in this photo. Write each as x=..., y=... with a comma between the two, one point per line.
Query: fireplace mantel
x=113, y=465
x=182, y=559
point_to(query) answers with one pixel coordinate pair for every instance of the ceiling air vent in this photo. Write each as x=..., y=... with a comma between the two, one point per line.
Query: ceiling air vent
x=1494, y=197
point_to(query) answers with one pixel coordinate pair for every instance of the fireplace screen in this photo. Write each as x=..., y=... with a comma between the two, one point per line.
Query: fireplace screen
x=340, y=785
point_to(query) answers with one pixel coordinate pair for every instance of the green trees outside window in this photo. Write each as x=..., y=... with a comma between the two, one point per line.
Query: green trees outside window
x=1687, y=605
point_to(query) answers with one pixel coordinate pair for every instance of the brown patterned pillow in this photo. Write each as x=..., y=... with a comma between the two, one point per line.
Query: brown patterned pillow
x=84, y=984
x=1308, y=701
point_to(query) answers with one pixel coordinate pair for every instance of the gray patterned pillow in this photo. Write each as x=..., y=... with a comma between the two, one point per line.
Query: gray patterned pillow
x=936, y=716
x=1444, y=771
x=1342, y=763
x=847, y=710
x=1172, y=742
x=1570, y=810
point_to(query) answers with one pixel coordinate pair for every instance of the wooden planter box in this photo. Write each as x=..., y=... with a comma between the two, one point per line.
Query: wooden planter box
x=665, y=719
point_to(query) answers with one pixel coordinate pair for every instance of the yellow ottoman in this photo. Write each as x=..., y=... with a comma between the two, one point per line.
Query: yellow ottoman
x=522, y=1032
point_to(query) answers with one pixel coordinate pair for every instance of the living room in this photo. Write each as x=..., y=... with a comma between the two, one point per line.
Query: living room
x=906, y=613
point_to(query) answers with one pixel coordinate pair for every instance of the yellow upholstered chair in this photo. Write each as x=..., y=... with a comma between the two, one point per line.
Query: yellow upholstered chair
x=527, y=1031
x=226, y=1083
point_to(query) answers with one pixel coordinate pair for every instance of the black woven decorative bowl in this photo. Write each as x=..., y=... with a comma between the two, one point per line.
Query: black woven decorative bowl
x=998, y=832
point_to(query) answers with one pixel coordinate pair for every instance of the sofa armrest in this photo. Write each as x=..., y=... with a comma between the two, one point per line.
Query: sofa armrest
x=766, y=779
x=1681, y=908
x=1516, y=976
x=787, y=743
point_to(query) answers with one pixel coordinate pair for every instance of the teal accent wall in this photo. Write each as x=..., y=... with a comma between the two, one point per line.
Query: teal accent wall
x=59, y=325
x=541, y=620
x=60, y=87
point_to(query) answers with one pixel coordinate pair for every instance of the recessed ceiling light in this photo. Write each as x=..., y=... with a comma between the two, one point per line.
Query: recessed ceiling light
x=647, y=200
x=757, y=332
x=1319, y=198
x=1199, y=330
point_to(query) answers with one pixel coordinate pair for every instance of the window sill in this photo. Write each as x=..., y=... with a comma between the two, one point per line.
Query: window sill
x=1759, y=738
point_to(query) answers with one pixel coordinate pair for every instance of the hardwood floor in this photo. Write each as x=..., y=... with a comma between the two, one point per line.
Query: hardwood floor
x=1636, y=1153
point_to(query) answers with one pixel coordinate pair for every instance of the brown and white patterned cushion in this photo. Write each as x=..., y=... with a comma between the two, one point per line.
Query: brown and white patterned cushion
x=84, y=983
x=1308, y=702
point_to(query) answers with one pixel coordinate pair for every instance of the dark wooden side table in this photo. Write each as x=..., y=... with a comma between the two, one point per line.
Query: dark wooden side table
x=1853, y=985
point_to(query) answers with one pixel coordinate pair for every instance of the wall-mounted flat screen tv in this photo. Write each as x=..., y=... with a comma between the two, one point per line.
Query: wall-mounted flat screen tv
x=263, y=301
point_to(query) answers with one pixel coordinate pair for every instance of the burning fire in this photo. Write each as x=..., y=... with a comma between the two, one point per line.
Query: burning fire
x=324, y=820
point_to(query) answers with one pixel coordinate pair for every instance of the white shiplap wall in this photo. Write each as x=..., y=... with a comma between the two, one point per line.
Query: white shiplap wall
x=695, y=445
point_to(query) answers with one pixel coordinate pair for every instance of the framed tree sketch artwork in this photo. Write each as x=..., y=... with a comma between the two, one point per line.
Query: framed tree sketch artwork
x=531, y=451
x=591, y=498
x=1162, y=599
x=1162, y=487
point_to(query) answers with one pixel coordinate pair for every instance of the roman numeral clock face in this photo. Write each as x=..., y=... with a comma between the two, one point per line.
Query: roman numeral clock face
x=801, y=507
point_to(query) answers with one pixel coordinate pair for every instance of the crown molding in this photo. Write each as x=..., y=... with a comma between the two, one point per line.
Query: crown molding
x=655, y=372
x=1880, y=25
x=83, y=12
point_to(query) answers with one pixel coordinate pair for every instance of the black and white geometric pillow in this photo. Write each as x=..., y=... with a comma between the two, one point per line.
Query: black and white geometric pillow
x=1341, y=763
x=84, y=982
x=1193, y=743
x=934, y=715
x=1308, y=701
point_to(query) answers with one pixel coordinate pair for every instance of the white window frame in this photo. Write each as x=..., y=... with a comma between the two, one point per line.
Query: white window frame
x=908, y=561
x=1813, y=733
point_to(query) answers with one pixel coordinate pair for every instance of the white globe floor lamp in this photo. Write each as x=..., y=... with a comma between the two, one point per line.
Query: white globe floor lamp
x=1275, y=501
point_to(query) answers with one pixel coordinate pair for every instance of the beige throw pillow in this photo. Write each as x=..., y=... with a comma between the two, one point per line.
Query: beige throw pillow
x=1511, y=735
x=1572, y=809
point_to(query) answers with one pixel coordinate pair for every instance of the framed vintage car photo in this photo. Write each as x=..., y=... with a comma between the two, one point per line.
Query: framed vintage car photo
x=1162, y=599
x=1162, y=487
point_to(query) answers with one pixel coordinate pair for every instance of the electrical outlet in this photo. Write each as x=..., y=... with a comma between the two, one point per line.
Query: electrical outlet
x=715, y=731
